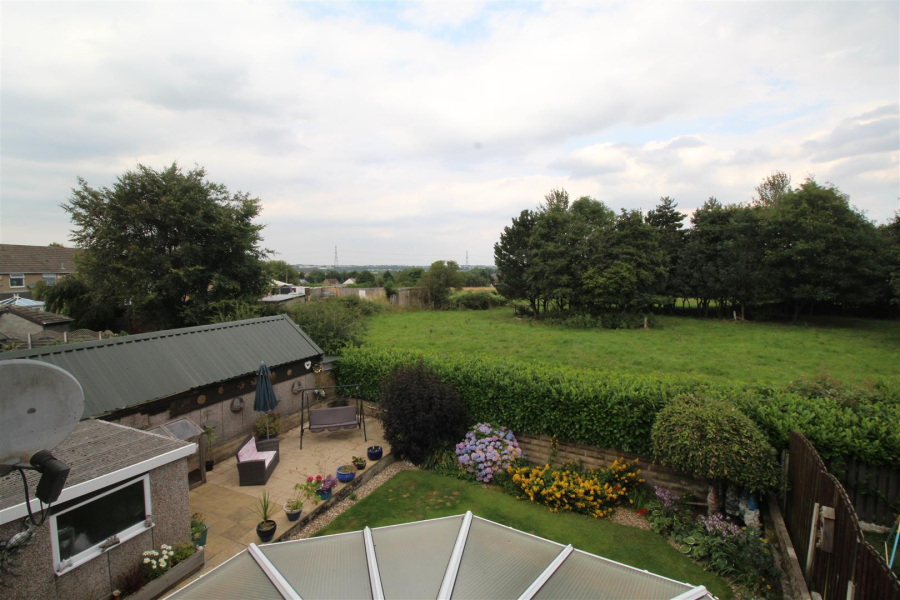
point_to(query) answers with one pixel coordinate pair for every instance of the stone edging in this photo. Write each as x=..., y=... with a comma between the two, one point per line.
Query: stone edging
x=359, y=480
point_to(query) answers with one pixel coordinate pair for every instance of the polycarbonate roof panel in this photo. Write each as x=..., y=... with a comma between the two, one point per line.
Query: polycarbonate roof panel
x=238, y=579
x=413, y=558
x=331, y=567
x=499, y=562
x=584, y=576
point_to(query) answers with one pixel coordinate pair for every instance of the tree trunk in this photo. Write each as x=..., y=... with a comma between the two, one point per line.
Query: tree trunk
x=798, y=304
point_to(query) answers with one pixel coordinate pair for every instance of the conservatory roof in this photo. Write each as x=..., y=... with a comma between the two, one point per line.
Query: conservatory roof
x=451, y=557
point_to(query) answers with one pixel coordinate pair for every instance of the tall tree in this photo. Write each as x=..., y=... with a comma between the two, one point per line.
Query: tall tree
x=513, y=258
x=773, y=188
x=440, y=279
x=703, y=267
x=820, y=249
x=166, y=245
x=669, y=222
x=281, y=271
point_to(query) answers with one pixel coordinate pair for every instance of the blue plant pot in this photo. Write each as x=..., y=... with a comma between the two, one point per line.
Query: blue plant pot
x=323, y=495
x=345, y=477
x=375, y=452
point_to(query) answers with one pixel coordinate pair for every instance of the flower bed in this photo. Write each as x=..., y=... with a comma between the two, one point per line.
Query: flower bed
x=594, y=492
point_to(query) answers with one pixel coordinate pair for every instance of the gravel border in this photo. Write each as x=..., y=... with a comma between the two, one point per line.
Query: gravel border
x=322, y=520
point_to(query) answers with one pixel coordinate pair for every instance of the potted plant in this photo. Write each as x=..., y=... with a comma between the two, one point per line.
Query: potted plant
x=266, y=527
x=274, y=427
x=209, y=433
x=359, y=462
x=199, y=529
x=293, y=508
x=346, y=473
x=326, y=486
x=374, y=452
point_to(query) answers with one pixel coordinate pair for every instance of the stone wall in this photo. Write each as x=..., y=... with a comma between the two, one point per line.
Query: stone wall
x=537, y=450
x=35, y=573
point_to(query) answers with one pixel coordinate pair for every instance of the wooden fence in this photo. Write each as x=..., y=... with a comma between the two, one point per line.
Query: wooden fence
x=53, y=338
x=824, y=530
x=874, y=490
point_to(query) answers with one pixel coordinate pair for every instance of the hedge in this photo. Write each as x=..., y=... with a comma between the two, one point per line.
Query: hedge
x=616, y=410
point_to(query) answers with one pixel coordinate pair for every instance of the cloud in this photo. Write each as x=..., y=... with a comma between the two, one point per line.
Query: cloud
x=417, y=129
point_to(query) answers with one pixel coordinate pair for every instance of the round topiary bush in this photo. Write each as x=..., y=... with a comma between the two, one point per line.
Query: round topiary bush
x=712, y=440
x=421, y=413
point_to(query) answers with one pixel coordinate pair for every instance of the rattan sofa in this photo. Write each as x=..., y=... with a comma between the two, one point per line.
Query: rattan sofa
x=256, y=461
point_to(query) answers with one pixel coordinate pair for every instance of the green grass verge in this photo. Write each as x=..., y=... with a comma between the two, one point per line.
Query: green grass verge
x=417, y=495
x=851, y=350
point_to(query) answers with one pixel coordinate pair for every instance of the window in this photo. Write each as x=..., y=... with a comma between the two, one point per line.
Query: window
x=49, y=278
x=16, y=280
x=78, y=528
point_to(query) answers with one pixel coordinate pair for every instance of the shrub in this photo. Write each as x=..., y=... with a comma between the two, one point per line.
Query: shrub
x=477, y=300
x=334, y=324
x=182, y=552
x=713, y=440
x=274, y=425
x=420, y=412
x=594, y=492
x=617, y=410
x=487, y=450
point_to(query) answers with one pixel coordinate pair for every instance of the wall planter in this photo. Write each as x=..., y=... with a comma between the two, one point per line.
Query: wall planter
x=346, y=473
x=162, y=584
x=374, y=452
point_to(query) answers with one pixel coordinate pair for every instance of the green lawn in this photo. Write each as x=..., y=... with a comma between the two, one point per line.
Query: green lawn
x=417, y=495
x=852, y=350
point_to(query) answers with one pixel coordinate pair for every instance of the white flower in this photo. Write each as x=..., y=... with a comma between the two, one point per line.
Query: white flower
x=146, y=560
x=162, y=563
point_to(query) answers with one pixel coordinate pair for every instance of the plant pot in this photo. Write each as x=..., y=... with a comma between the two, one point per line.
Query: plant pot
x=374, y=452
x=360, y=465
x=264, y=437
x=209, y=465
x=266, y=535
x=292, y=515
x=323, y=495
x=345, y=477
x=200, y=538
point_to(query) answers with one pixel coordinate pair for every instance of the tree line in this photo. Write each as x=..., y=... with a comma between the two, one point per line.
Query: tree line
x=789, y=250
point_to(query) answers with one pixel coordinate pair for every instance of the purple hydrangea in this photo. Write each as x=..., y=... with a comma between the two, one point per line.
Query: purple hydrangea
x=486, y=450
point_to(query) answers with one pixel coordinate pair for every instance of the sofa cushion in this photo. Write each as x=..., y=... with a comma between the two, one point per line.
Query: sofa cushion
x=267, y=456
x=248, y=452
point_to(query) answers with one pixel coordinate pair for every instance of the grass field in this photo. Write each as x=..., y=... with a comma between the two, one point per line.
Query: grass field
x=851, y=350
x=417, y=495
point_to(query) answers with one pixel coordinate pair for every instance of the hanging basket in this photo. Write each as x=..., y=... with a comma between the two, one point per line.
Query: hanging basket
x=237, y=405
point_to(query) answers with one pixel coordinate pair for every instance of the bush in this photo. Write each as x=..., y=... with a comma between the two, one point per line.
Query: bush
x=274, y=425
x=487, y=450
x=420, y=412
x=713, y=440
x=616, y=410
x=477, y=300
x=334, y=324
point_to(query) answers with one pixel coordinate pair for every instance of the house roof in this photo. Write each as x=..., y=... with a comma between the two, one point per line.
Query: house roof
x=35, y=314
x=332, y=282
x=16, y=300
x=99, y=454
x=37, y=259
x=130, y=370
x=451, y=557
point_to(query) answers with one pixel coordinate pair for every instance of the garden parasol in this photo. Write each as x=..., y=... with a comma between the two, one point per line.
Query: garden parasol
x=265, y=400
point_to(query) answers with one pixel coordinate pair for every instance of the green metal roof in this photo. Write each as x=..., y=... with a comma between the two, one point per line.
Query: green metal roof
x=130, y=370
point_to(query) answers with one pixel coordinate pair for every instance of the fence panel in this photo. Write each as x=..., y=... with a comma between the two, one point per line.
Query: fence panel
x=852, y=569
x=874, y=490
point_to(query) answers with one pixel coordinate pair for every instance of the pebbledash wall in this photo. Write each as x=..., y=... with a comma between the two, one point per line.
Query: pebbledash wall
x=537, y=450
x=35, y=577
x=212, y=406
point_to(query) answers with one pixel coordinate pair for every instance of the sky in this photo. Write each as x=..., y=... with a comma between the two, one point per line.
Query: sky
x=405, y=133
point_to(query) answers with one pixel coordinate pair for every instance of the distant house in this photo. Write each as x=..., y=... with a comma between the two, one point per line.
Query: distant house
x=350, y=281
x=20, y=321
x=21, y=267
x=331, y=281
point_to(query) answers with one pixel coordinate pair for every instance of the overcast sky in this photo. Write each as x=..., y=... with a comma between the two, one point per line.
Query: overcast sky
x=405, y=133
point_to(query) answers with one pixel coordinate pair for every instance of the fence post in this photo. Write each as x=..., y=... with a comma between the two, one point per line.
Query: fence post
x=29, y=341
x=812, y=540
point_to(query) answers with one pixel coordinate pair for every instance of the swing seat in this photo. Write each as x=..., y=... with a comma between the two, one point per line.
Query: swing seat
x=332, y=419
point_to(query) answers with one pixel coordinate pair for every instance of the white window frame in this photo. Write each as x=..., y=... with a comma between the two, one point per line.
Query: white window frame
x=51, y=276
x=16, y=275
x=95, y=550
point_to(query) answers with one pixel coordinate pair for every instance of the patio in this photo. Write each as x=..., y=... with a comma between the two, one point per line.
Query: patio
x=230, y=509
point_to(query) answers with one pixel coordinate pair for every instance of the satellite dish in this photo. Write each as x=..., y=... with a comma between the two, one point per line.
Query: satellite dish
x=40, y=406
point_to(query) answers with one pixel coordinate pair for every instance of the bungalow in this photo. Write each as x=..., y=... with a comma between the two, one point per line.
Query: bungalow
x=205, y=375
x=127, y=492
x=21, y=267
